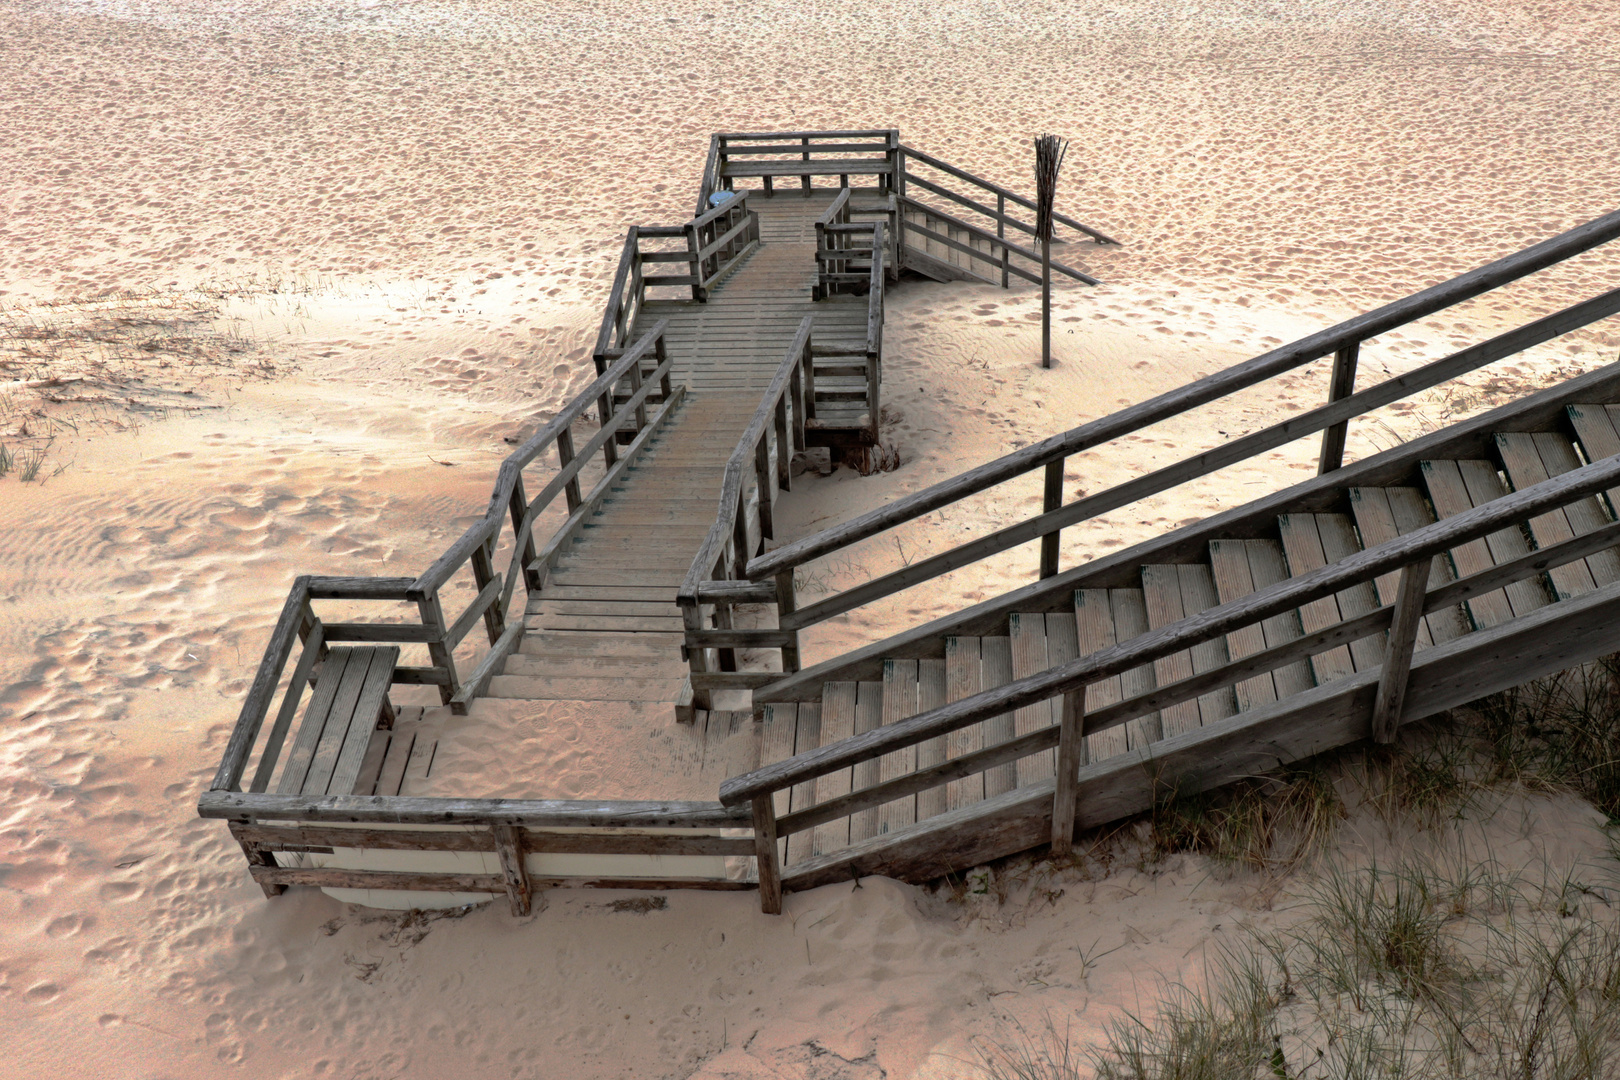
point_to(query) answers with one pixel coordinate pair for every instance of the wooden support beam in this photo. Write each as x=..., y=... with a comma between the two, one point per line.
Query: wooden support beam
x=1397, y=666
x=1070, y=756
x=765, y=855
x=1053, y=500
x=1341, y=385
x=509, y=848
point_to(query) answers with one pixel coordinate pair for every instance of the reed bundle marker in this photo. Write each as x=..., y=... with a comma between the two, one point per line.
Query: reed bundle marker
x=1049, y=151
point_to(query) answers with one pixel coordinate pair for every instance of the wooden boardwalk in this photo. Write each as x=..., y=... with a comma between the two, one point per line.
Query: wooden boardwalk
x=605, y=627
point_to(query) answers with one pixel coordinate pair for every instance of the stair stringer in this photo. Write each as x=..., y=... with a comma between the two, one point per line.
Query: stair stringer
x=1548, y=640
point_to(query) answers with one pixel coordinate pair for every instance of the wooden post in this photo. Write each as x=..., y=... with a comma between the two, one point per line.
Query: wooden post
x=509, y=847
x=765, y=855
x=519, y=507
x=1001, y=232
x=805, y=179
x=697, y=658
x=784, y=440
x=1054, y=499
x=565, y=455
x=1046, y=301
x=694, y=244
x=1070, y=756
x=641, y=406
x=1392, y=680
x=257, y=856
x=662, y=354
x=1340, y=385
x=762, y=477
x=787, y=602
x=433, y=618
x=483, y=573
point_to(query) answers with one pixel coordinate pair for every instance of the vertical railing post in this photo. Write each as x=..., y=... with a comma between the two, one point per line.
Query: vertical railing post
x=897, y=166
x=514, y=868
x=433, y=618
x=519, y=508
x=636, y=376
x=694, y=244
x=1053, y=500
x=1001, y=232
x=765, y=855
x=805, y=156
x=784, y=443
x=661, y=352
x=697, y=657
x=808, y=363
x=483, y=573
x=565, y=456
x=1070, y=756
x=787, y=602
x=1341, y=384
x=762, y=477
x=1392, y=679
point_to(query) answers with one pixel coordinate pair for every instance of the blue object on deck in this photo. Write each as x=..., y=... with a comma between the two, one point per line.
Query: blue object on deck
x=721, y=197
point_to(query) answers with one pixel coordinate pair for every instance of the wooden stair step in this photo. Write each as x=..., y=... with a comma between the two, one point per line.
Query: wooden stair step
x=1106, y=617
x=1457, y=486
x=1529, y=458
x=1172, y=593
x=1241, y=567
x=1310, y=542
x=667, y=666
x=1381, y=515
x=578, y=688
x=630, y=645
x=1028, y=636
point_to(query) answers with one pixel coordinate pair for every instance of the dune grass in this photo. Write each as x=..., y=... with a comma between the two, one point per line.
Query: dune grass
x=1443, y=964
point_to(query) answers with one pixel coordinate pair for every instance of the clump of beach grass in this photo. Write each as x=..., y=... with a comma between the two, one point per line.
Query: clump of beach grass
x=1440, y=964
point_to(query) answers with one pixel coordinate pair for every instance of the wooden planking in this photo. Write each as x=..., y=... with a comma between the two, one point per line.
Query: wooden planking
x=1094, y=628
x=372, y=702
x=1229, y=563
x=1161, y=592
x=964, y=677
x=837, y=722
x=1130, y=621
x=1456, y=486
x=1304, y=550
x=1381, y=515
x=1530, y=458
x=900, y=690
x=868, y=717
x=995, y=654
x=807, y=736
x=1269, y=567
x=305, y=743
x=1027, y=634
x=931, y=694
x=1198, y=594
x=1339, y=542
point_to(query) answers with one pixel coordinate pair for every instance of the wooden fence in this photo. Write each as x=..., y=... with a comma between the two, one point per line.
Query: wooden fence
x=462, y=845
x=1331, y=420
x=918, y=743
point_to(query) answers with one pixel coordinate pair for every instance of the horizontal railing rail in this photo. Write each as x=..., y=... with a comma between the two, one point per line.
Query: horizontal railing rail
x=1006, y=247
x=1344, y=404
x=1003, y=195
x=1411, y=555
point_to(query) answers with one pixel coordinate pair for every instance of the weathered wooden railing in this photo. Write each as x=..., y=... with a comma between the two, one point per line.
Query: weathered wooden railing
x=773, y=155
x=917, y=744
x=717, y=581
x=711, y=245
x=758, y=470
x=1342, y=342
x=496, y=828
x=467, y=847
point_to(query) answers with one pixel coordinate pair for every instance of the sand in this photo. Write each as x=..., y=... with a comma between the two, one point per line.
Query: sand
x=370, y=239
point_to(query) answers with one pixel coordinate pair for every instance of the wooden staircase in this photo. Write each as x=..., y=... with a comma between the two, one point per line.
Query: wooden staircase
x=1549, y=616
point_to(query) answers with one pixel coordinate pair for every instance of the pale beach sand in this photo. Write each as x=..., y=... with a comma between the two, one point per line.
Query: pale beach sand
x=369, y=240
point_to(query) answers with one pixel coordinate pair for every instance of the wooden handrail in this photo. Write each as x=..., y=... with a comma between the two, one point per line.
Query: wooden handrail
x=1010, y=196
x=506, y=480
x=257, y=703
x=1210, y=388
x=738, y=466
x=1287, y=595
x=985, y=234
x=727, y=136
x=1221, y=456
x=528, y=813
